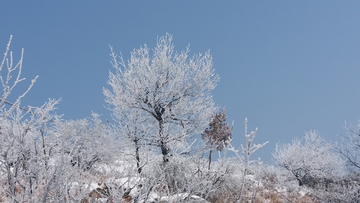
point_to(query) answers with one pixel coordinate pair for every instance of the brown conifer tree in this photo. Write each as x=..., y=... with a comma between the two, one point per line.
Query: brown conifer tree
x=218, y=134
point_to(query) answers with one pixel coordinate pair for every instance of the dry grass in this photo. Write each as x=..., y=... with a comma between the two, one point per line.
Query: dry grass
x=263, y=196
x=223, y=196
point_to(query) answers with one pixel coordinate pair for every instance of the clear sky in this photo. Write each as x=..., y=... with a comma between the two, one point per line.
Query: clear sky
x=288, y=66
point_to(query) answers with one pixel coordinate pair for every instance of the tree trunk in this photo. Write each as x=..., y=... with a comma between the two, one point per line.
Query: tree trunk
x=210, y=158
x=163, y=147
x=137, y=155
x=164, y=151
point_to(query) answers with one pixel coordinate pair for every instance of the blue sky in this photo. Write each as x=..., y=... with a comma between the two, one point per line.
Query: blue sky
x=288, y=66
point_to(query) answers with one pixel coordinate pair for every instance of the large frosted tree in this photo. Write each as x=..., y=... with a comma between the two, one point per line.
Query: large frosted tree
x=169, y=91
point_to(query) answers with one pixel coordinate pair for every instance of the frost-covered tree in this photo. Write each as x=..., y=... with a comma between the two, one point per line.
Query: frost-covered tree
x=218, y=134
x=248, y=150
x=26, y=155
x=133, y=127
x=44, y=158
x=85, y=141
x=350, y=148
x=170, y=90
x=7, y=69
x=250, y=147
x=25, y=171
x=310, y=160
